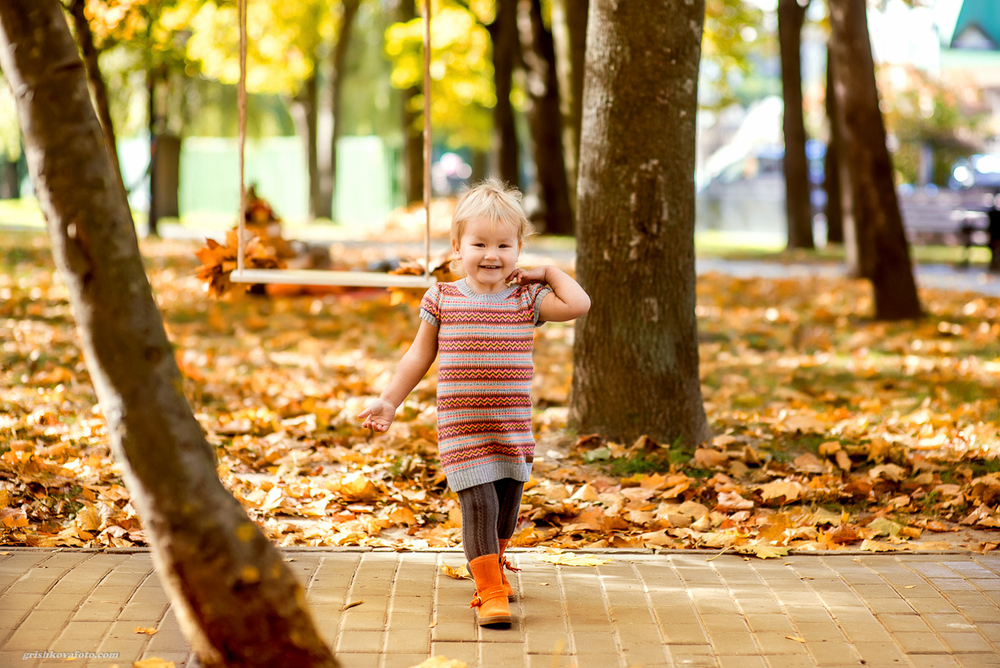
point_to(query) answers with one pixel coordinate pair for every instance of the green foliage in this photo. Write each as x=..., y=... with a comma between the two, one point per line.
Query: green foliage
x=462, y=89
x=733, y=35
x=10, y=135
x=934, y=113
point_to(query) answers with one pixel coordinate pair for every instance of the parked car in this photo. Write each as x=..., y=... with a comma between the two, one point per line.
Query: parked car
x=979, y=172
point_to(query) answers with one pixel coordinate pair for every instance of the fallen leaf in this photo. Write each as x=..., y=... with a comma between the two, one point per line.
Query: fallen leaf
x=153, y=663
x=441, y=662
x=459, y=573
x=566, y=559
x=795, y=638
x=148, y=630
x=352, y=604
x=763, y=551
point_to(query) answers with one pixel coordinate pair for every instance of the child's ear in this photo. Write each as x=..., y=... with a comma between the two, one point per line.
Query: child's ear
x=456, y=248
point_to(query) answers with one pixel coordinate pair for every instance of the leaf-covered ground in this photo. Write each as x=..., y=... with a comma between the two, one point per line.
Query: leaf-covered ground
x=832, y=432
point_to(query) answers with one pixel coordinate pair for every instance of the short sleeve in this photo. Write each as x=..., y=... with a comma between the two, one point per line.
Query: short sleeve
x=537, y=293
x=430, y=306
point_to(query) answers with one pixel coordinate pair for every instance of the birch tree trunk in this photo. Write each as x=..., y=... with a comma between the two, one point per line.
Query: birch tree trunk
x=636, y=351
x=237, y=602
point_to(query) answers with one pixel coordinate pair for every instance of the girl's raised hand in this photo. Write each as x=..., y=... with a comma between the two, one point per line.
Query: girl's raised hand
x=378, y=415
x=526, y=276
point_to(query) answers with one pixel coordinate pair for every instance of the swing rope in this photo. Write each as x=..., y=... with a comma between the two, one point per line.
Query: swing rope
x=321, y=277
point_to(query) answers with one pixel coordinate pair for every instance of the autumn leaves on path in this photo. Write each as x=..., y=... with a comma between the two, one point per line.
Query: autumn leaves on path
x=832, y=432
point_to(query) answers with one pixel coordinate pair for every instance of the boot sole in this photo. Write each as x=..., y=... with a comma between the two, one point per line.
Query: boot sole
x=495, y=620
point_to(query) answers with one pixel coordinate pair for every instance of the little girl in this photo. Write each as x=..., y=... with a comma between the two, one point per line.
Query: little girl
x=483, y=327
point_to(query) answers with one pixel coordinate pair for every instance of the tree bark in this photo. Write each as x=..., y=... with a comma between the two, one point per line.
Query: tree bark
x=306, y=114
x=798, y=207
x=506, y=151
x=831, y=163
x=237, y=602
x=569, y=32
x=10, y=182
x=98, y=90
x=636, y=351
x=152, y=221
x=545, y=120
x=878, y=226
x=413, y=133
x=338, y=67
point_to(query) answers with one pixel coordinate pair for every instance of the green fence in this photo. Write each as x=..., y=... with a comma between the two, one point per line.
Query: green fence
x=366, y=177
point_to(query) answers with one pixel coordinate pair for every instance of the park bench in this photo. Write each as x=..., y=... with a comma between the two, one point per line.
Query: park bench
x=951, y=218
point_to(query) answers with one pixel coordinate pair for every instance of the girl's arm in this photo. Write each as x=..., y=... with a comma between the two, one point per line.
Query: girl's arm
x=416, y=361
x=567, y=299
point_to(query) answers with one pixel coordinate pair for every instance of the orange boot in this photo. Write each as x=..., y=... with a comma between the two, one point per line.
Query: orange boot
x=490, y=599
x=506, y=564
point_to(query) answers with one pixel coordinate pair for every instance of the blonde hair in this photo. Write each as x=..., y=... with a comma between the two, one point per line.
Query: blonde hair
x=494, y=201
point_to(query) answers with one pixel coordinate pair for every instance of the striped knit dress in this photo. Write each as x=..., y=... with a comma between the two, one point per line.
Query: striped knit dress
x=484, y=380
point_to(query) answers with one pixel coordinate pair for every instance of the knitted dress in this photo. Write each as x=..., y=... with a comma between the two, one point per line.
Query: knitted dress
x=484, y=380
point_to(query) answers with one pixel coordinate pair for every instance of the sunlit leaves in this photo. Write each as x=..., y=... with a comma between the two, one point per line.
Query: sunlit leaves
x=283, y=38
x=461, y=69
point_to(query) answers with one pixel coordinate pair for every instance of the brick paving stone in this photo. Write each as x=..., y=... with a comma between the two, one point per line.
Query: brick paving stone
x=366, y=660
x=742, y=662
x=776, y=643
x=978, y=660
x=880, y=654
x=932, y=605
x=790, y=661
x=502, y=655
x=360, y=641
x=933, y=661
x=948, y=623
x=961, y=643
x=914, y=642
x=734, y=643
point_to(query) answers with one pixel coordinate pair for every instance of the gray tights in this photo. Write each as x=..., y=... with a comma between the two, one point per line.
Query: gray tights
x=489, y=513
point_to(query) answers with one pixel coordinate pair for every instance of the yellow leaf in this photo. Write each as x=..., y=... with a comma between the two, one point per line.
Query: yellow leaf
x=442, y=662
x=352, y=604
x=153, y=663
x=709, y=459
x=776, y=490
x=148, y=630
x=460, y=573
x=763, y=551
x=795, y=638
x=566, y=559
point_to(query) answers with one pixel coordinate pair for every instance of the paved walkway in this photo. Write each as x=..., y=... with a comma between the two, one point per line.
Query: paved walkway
x=639, y=609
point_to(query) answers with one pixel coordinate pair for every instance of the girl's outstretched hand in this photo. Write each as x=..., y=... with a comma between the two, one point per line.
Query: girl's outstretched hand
x=526, y=276
x=378, y=415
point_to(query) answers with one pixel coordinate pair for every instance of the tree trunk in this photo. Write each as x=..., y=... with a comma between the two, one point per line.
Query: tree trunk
x=152, y=222
x=165, y=183
x=569, y=32
x=98, y=91
x=545, y=120
x=831, y=164
x=636, y=351
x=338, y=67
x=10, y=180
x=878, y=226
x=413, y=133
x=305, y=114
x=503, y=32
x=798, y=208
x=237, y=602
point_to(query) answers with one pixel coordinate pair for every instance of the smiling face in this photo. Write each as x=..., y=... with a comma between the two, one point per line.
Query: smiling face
x=488, y=253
